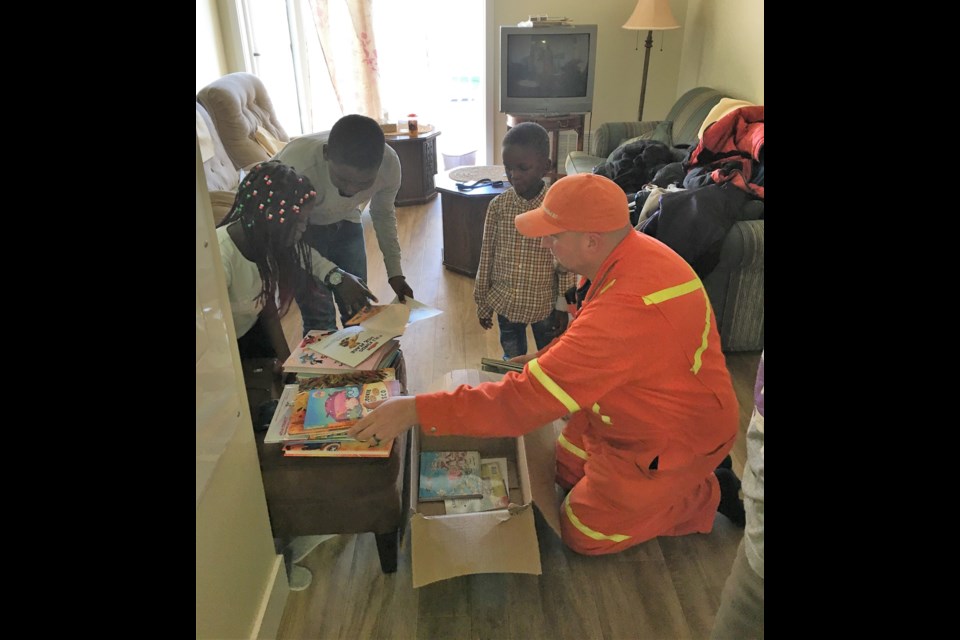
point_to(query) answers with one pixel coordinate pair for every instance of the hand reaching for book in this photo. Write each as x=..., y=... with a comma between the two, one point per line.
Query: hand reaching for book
x=353, y=294
x=389, y=420
x=401, y=288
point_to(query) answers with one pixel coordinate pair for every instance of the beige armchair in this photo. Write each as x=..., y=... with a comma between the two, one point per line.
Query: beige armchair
x=222, y=177
x=243, y=115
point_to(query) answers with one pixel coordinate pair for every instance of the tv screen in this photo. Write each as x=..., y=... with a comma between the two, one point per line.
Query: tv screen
x=547, y=70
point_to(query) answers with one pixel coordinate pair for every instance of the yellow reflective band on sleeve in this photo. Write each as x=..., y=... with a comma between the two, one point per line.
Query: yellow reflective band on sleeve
x=605, y=419
x=584, y=529
x=572, y=448
x=681, y=290
x=697, y=361
x=673, y=292
x=534, y=367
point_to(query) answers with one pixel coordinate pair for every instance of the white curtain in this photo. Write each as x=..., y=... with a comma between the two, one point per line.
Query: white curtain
x=349, y=55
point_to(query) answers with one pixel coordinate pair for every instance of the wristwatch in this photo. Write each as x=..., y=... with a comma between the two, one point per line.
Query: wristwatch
x=334, y=278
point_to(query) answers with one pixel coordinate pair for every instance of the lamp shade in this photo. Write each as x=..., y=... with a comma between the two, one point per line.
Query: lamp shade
x=652, y=15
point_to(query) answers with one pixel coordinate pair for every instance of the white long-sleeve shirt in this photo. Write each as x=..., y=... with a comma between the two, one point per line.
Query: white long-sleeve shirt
x=305, y=154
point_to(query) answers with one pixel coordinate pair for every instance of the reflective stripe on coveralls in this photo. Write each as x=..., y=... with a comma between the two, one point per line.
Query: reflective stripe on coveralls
x=564, y=398
x=675, y=292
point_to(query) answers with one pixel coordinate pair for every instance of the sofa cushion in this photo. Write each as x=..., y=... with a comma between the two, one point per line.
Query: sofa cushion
x=610, y=134
x=663, y=133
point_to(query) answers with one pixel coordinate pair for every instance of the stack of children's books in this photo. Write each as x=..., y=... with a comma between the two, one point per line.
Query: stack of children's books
x=313, y=415
x=306, y=360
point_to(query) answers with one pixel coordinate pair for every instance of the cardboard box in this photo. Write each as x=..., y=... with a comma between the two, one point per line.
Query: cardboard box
x=502, y=541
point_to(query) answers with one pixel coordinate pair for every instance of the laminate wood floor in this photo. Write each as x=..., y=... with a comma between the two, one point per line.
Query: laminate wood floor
x=665, y=588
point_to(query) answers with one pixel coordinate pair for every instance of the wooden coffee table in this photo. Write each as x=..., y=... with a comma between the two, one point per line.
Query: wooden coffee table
x=463, y=215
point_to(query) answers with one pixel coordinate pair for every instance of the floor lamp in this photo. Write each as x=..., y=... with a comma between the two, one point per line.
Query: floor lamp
x=650, y=16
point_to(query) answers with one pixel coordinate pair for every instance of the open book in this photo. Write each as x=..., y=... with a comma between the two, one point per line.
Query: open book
x=370, y=328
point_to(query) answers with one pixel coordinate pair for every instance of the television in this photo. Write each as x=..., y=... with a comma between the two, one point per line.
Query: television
x=547, y=71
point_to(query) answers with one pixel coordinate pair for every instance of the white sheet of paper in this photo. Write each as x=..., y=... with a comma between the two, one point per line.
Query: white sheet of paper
x=418, y=310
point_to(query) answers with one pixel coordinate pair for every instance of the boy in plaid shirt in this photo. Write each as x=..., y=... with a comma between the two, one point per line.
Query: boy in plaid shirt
x=518, y=279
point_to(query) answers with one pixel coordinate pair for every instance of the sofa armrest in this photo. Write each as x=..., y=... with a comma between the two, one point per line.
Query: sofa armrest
x=742, y=247
x=735, y=288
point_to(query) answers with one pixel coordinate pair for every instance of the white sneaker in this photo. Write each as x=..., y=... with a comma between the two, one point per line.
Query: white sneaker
x=301, y=546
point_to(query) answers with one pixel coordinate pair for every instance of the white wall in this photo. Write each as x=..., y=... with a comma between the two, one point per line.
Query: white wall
x=211, y=62
x=723, y=47
x=241, y=582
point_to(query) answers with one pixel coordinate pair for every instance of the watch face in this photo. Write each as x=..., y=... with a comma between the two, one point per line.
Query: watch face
x=335, y=278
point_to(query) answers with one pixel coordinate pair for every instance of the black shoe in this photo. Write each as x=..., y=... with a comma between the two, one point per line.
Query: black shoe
x=730, y=503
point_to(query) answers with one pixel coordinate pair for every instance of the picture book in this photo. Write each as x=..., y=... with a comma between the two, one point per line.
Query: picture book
x=342, y=449
x=386, y=317
x=333, y=409
x=368, y=330
x=306, y=360
x=394, y=313
x=496, y=494
x=307, y=382
x=354, y=347
x=277, y=431
x=292, y=431
x=450, y=474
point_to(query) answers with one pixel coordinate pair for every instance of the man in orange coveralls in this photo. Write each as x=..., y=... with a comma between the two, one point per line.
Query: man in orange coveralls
x=640, y=371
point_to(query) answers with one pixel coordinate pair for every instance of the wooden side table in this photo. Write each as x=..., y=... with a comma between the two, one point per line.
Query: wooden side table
x=316, y=496
x=418, y=163
x=554, y=125
x=464, y=213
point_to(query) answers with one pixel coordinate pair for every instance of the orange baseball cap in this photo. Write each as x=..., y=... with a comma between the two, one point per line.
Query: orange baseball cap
x=582, y=202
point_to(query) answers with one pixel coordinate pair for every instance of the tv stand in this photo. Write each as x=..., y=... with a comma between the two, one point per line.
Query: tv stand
x=554, y=124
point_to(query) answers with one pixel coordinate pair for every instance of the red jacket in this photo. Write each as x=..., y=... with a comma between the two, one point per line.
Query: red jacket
x=735, y=138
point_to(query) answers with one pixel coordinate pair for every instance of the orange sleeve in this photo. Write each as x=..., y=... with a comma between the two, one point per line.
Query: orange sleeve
x=596, y=354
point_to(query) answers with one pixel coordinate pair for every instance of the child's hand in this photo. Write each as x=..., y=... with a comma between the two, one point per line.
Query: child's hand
x=486, y=323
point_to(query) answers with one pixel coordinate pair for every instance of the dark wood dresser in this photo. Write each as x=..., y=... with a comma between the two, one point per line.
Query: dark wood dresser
x=464, y=213
x=418, y=162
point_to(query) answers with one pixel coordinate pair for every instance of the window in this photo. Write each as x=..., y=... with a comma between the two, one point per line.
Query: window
x=430, y=58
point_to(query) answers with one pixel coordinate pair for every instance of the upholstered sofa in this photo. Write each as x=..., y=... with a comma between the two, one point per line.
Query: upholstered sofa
x=736, y=284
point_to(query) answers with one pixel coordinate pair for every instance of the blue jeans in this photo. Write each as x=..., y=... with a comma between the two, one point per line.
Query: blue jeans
x=342, y=243
x=513, y=335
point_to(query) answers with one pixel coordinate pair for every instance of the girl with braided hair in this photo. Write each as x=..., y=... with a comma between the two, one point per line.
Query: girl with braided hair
x=265, y=261
x=264, y=257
